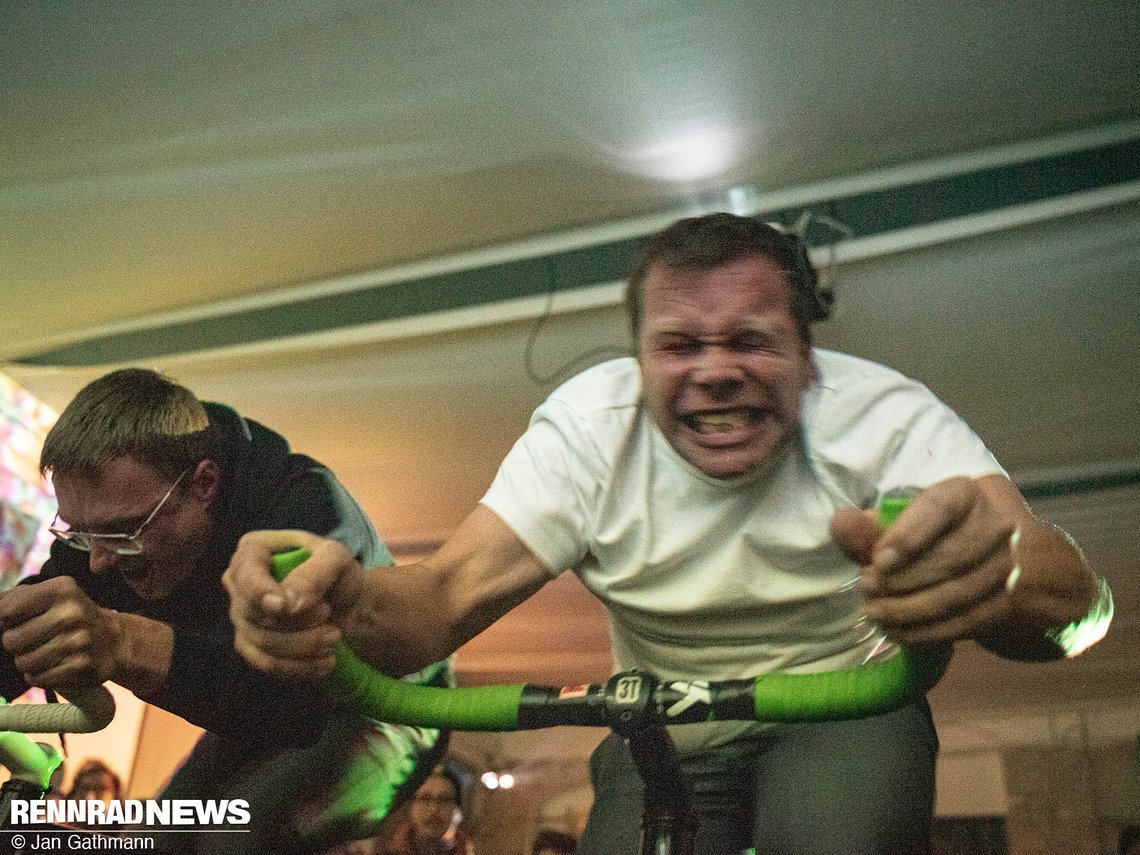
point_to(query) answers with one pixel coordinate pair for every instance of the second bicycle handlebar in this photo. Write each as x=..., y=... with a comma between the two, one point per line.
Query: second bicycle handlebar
x=90, y=709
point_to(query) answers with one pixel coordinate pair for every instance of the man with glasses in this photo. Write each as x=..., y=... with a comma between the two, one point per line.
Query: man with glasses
x=154, y=489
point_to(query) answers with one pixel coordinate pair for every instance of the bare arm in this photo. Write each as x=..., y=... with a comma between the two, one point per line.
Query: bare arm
x=397, y=619
x=946, y=569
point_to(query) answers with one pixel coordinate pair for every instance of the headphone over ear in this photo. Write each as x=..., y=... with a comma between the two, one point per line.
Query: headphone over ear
x=820, y=299
x=805, y=278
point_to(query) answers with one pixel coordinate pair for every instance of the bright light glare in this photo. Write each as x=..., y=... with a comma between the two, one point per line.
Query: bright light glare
x=690, y=157
x=506, y=780
x=490, y=780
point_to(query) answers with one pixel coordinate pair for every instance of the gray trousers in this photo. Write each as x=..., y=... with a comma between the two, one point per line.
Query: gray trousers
x=845, y=788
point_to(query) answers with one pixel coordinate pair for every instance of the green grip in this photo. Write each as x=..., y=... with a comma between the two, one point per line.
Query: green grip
x=893, y=503
x=487, y=708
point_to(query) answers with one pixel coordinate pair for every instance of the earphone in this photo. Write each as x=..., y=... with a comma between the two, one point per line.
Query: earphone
x=805, y=278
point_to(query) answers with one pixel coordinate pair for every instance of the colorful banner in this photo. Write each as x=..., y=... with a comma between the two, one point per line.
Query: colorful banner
x=27, y=504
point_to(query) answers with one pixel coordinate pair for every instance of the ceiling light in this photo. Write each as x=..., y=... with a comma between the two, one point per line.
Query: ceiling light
x=692, y=156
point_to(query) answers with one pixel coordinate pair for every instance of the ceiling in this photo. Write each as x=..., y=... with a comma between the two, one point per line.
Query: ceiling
x=388, y=229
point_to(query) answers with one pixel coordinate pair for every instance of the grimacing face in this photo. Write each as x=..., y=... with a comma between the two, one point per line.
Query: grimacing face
x=723, y=364
x=120, y=499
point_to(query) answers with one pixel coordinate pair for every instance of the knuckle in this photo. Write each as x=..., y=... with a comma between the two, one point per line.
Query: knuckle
x=82, y=640
x=69, y=611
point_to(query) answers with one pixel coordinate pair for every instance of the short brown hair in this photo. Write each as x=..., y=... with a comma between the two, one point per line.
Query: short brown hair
x=713, y=240
x=133, y=411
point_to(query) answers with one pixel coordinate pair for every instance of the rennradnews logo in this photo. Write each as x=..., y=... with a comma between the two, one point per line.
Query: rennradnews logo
x=148, y=812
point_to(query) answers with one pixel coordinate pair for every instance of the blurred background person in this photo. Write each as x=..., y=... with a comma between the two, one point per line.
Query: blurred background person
x=95, y=781
x=434, y=820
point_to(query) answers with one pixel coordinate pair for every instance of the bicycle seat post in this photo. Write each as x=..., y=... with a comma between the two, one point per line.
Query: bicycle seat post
x=667, y=826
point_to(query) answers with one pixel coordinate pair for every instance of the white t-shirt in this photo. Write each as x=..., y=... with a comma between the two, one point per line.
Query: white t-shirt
x=723, y=579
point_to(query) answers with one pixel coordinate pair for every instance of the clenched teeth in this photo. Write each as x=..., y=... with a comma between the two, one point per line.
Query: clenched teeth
x=724, y=420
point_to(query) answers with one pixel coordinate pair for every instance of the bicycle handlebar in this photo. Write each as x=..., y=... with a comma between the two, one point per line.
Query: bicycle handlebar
x=90, y=709
x=834, y=695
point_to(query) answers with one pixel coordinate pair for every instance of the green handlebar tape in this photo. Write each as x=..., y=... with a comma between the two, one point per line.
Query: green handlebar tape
x=487, y=708
x=854, y=692
x=27, y=761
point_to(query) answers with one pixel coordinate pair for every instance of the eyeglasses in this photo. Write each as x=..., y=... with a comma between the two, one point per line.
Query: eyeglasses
x=120, y=544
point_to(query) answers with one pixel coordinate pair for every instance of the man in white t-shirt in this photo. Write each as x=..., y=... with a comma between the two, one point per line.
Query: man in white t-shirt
x=717, y=495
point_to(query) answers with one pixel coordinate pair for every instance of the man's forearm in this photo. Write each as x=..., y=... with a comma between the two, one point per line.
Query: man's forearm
x=408, y=617
x=397, y=619
x=403, y=620
x=143, y=654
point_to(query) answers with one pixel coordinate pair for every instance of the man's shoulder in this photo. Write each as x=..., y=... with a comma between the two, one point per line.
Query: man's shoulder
x=238, y=436
x=610, y=385
x=855, y=393
x=845, y=381
x=224, y=416
x=583, y=423
x=595, y=409
x=835, y=370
